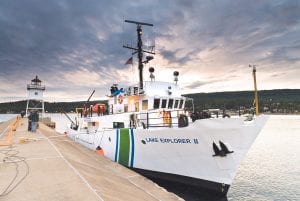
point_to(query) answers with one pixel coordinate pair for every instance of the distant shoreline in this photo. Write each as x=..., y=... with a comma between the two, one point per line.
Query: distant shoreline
x=279, y=101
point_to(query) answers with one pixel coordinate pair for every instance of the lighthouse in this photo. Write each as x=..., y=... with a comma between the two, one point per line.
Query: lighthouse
x=35, y=100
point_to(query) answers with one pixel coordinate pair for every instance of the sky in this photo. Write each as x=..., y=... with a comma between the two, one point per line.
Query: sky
x=75, y=46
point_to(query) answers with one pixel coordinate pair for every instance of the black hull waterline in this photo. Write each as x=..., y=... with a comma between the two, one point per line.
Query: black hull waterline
x=219, y=188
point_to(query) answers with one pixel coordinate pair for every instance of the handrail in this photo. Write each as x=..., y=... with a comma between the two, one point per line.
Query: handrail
x=33, y=86
x=167, y=119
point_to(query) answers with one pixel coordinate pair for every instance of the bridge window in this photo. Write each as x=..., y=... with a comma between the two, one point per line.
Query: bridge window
x=170, y=104
x=156, y=103
x=163, y=103
x=181, y=104
x=176, y=104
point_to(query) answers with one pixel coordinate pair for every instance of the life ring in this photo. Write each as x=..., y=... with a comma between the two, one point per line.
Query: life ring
x=120, y=99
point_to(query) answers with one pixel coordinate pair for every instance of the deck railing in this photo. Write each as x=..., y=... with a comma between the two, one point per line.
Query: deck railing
x=163, y=119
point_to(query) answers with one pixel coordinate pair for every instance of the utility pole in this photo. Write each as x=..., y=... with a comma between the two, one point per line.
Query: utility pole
x=255, y=89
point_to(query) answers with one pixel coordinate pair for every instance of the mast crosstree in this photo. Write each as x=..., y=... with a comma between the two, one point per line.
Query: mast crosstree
x=139, y=49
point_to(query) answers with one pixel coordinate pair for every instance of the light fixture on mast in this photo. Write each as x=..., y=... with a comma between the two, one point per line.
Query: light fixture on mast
x=176, y=73
x=152, y=77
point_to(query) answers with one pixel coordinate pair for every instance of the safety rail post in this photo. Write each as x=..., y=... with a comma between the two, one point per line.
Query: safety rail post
x=147, y=120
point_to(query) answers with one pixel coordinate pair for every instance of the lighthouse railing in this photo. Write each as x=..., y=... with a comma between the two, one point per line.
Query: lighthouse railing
x=33, y=86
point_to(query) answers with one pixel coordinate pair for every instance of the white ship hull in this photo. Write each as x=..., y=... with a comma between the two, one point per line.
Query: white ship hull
x=182, y=155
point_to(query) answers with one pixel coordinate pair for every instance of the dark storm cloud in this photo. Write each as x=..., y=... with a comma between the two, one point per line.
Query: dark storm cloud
x=171, y=56
x=35, y=35
x=60, y=37
x=47, y=37
x=237, y=27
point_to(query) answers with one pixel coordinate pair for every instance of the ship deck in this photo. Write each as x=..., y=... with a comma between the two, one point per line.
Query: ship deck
x=49, y=166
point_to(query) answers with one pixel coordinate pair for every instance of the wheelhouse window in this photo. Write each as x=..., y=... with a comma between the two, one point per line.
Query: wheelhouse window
x=181, y=104
x=144, y=104
x=163, y=103
x=176, y=104
x=170, y=104
x=156, y=103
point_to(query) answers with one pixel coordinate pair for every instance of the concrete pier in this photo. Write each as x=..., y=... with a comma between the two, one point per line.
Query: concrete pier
x=49, y=166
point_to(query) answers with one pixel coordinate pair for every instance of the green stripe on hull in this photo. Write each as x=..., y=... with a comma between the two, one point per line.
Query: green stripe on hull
x=124, y=149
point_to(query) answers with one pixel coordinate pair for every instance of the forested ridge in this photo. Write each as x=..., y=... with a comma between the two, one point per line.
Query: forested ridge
x=276, y=101
x=279, y=100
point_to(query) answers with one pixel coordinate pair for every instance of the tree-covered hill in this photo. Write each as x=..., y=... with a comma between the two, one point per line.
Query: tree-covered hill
x=51, y=107
x=279, y=100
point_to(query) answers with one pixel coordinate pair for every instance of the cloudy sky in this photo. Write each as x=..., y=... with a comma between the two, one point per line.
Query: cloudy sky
x=75, y=46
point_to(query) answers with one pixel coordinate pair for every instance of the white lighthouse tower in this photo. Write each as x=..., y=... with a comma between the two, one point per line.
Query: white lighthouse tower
x=35, y=96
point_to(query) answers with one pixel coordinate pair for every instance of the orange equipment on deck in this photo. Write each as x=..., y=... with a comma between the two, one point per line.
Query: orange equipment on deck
x=99, y=108
x=167, y=118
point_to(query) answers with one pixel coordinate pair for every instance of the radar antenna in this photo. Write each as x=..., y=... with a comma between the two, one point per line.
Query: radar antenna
x=140, y=50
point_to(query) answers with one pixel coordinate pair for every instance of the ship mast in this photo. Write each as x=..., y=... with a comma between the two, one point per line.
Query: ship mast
x=255, y=89
x=139, y=50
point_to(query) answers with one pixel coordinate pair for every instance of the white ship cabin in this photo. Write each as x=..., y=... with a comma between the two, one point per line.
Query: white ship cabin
x=155, y=96
x=159, y=105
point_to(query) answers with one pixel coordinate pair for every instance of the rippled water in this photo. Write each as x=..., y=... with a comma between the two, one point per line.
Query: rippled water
x=5, y=117
x=271, y=170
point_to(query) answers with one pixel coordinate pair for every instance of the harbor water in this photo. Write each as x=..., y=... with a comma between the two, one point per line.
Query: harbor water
x=271, y=170
x=5, y=117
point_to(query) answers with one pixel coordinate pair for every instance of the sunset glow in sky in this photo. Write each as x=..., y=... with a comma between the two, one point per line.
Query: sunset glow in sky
x=75, y=46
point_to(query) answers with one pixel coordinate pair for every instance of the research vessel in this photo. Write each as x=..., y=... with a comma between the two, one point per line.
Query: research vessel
x=148, y=128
